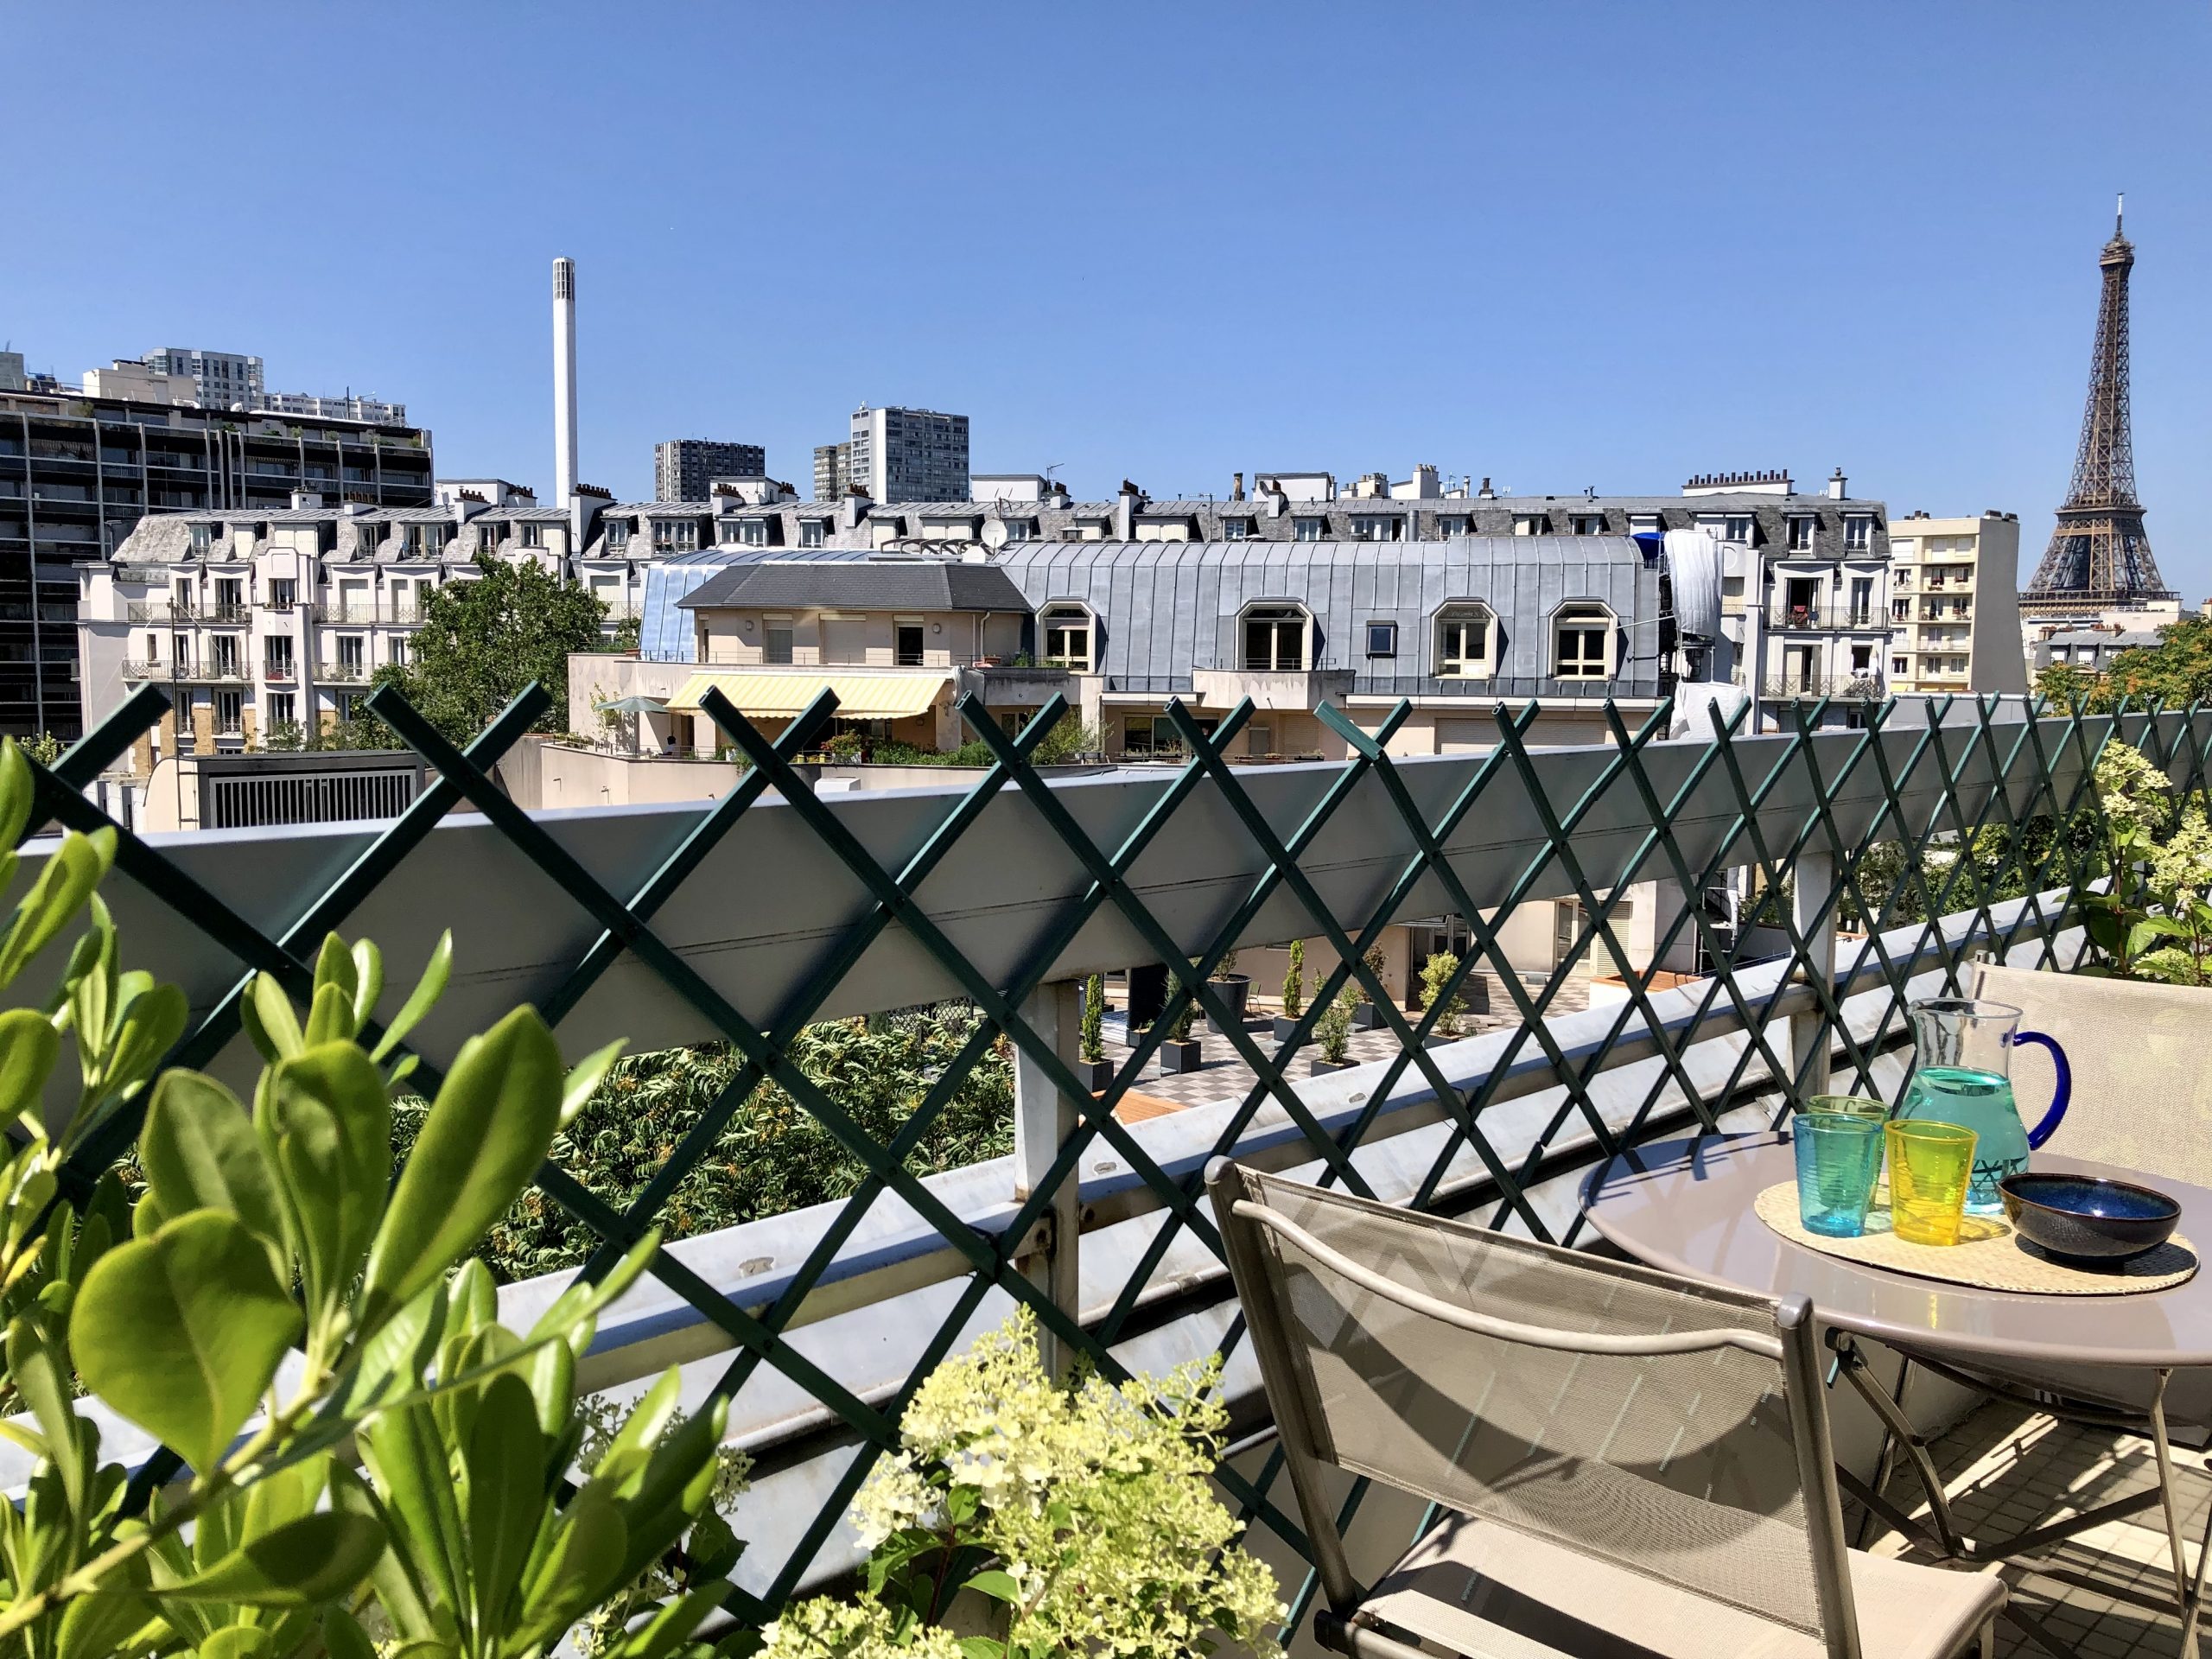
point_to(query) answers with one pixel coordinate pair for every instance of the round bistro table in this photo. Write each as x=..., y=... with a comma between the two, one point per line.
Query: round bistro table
x=2131, y=1363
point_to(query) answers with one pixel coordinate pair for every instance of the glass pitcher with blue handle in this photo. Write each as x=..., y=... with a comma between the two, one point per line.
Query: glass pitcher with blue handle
x=1961, y=1073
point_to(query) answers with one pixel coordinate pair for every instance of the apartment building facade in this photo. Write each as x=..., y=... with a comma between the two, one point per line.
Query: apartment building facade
x=78, y=474
x=908, y=454
x=1955, y=602
x=685, y=469
x=258, y=621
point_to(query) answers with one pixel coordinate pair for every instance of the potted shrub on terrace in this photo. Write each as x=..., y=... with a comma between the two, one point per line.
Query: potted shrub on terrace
x=1096, y=1067
x=1233, y=989
x=1180, y=1051
x=1365, y=1017
x=1334, y=1028
x=1435, y=973
x=1294, y=993
x=1022, y=1517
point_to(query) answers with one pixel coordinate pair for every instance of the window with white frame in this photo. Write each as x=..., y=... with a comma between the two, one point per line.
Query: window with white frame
x=399, y=650
x=1236, y=529
x=776, y=633
x=278, y=653
x=1307, y=529
x=1737, y=529
x=1274, y=637
x=680, y=535
x=1463, y=641
x=1582, y=643
x=812, y=532
x=1065, y=631
x=1373, y=527
x=283, y=710
x=1800, y=533
x=230, y=706
x=201, y=535
x=752, y=532
x=532, y=535
x=1858, y=533
x=1591, y=524
x=352, y=655
x=618, y=535
x=1017, y=530
x=487, y=536
x=1452, y=523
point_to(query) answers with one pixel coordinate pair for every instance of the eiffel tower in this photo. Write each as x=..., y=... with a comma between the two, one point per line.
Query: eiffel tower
x=2099, y=554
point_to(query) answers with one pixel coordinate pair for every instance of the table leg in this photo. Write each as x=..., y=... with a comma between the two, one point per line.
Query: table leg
x=1900, y=1430
x=1886, y=1464
x=2184, y=1595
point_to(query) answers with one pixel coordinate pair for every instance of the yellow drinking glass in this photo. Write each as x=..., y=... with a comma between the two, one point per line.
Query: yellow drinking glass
x=1847, y=1105
x=1931, y=1165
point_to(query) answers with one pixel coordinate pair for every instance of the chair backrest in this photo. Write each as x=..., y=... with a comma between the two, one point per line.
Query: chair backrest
x=1673, y=1429
x=2142, y=1093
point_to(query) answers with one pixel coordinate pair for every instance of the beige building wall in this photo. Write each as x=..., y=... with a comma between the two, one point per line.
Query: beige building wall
x=1955, y=602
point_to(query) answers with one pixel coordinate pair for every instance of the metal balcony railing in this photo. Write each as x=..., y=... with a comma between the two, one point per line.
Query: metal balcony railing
x=371, y=612
x=1833, y=617
x=1853, y=688
x=186, y=673
x=1007, y=892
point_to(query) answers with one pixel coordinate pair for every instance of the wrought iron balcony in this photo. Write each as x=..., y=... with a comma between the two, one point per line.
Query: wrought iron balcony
x=1008, y=892
x=1833, y=617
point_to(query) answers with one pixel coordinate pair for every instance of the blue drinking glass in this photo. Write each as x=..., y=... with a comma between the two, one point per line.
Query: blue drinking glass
x=1839, y=1159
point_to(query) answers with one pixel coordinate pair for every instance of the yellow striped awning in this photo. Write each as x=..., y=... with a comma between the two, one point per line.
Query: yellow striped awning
x=780, y=697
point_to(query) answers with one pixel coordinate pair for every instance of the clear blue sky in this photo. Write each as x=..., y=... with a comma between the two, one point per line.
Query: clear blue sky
x=1560, y=245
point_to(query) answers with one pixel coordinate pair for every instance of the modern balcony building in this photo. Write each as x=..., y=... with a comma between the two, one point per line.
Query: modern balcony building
x=1955, y=600
x=908, y=454
x=685, y=469
x=77, y=474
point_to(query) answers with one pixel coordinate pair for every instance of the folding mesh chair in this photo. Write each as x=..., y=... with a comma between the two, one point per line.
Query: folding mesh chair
x=1626, y=1463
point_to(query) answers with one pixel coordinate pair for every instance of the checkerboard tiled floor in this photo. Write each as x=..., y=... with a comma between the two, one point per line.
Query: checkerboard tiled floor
x=2109, y=1590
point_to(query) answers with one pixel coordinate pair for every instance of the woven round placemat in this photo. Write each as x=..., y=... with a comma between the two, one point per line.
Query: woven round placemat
x=1989, y=1254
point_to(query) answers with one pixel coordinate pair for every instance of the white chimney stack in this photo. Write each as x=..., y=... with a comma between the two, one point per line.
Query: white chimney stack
x=564, y=383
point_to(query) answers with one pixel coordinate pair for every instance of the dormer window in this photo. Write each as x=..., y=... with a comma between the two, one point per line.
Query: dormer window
x=1532, y=523
x=618, y=535
x=1274, y=639
x=1463, y=641
x=1066, y=631
x=1236, y=529
x=752, y=532
x=1737, y=528
x=487, y=537
x=1307, y=529
x=1452, y=523
x=1589, y=524
x=1800, y=534
x=1375, y=527
x=1582, y=643
x=202, y=535
x=1858, y=534
x=812, y=532
x=532, y=535
x=679, y=535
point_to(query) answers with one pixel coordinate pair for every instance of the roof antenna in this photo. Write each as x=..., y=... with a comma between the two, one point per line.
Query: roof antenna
x=2119, y=213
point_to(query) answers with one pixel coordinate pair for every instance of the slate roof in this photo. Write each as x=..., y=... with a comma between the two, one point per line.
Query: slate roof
x=1165, y=607
x=859, y=584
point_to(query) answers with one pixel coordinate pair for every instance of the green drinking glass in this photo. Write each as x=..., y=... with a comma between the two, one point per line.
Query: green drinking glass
x=1838, y=1157
x=1847, y=1106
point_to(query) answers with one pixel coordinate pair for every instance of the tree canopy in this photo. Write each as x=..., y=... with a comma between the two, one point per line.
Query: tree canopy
x=2177, y=671
x=482, y=641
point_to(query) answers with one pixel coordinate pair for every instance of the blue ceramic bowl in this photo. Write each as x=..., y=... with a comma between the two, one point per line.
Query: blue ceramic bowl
x=2085, y=1218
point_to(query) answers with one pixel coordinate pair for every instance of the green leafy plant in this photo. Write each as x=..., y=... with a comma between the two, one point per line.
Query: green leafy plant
x=1435, y=973
x=1293, y=982
x=1334, y=1028
x=1094, y=1019
x=1078, y=1520
x=1226, y=968
x=1186, y=1019
x=1375, y=965
x=274, y=1294
x=2151, y=916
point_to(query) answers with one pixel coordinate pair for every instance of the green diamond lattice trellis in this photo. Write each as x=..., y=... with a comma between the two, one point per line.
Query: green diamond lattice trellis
x=1974, y=781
